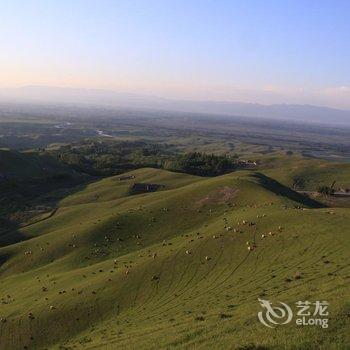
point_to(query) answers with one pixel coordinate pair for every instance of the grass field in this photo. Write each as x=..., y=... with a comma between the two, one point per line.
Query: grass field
x=314, y=172
x=111, y=270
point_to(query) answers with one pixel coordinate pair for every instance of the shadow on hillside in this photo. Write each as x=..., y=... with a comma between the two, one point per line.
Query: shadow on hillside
x=15, y=203
x=281, y=190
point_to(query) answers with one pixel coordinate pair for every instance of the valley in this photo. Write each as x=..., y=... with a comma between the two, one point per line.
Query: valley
x=169, y=239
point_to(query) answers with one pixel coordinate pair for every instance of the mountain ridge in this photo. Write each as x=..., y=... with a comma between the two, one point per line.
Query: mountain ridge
x=110, y=98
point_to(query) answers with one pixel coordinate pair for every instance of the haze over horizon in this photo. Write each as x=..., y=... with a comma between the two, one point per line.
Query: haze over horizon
x=256, y=52
x=56, y=98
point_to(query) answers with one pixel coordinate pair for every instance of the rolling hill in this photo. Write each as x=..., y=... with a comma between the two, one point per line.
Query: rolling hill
x=172, y=269
x=305, y=173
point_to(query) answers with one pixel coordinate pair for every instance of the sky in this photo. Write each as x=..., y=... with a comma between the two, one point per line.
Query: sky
x=251, y=51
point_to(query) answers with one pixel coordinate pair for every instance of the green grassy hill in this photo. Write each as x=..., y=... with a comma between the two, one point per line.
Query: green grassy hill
x=306, y=173
x=171, y=269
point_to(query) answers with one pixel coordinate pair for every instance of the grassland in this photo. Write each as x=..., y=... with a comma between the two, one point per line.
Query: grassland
x=305, y=173
x=111, y=270
x=87, y=264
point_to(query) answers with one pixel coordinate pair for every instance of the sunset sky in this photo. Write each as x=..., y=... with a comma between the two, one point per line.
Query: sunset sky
x=252, y=51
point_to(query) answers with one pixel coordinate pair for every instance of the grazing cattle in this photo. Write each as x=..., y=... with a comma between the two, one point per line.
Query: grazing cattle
x=297, y=275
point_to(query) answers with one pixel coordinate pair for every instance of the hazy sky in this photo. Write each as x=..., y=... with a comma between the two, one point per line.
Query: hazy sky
x=258, y=51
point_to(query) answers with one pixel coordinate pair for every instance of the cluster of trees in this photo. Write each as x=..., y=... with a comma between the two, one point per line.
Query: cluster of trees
x=202, y=164
x=105, y=158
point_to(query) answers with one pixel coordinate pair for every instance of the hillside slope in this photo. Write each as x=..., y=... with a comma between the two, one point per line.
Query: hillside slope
x=305, y=173
x=172, y=269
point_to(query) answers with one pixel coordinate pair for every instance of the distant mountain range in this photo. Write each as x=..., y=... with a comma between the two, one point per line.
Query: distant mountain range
x=106, y=98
